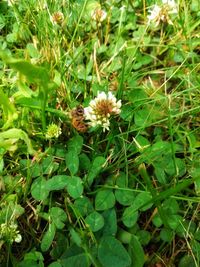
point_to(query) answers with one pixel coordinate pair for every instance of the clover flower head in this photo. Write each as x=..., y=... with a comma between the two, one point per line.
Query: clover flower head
x=11, y=2
x=101, y=108
x=57, y=18
x=99, y=15
x=162, y=12
x=171, y=6
x=53, y=130
x=9, y=232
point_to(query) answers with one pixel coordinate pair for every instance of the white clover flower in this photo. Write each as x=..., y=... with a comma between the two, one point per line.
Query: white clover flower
x=162, y=13
x=101, y=108
x=57, y=18
x=9, y=232
x=53, y=130
x=99, y=15
x=171, y=5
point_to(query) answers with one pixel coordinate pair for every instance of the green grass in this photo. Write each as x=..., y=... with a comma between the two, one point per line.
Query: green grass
x=127, y=196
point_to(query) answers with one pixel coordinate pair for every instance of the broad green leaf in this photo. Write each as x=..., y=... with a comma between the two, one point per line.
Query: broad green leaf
x=10, y=137
x=39, y=189
x=137, y=96
x=48, y=237
x=75, y=256
x=1, y=165
x=124, y=197
x=49, y=166
x=75, y=187
x=34, y=74
x=187, y=261
x=137, y=253
x=111, y=253
x=75, y=237
x=130, y=216
x=110, y=222
x=170, y=206
x=126, y=113
x=75, y=144
x=32, y=259
x=57, y=182
x=72, y=161
x=160, y=174
x=83, y=205
x=84, y=162
x=144, y=237
x=58, y=217
x=55, y=264
x=59, y=249
x=142, y=117
x=196, y=176
x=9, y=112
x=141, y=199
x=95, y=221
x=166, y=235
x=32, y=51
x=174, y=221
x=96, y=167
x=105, y=199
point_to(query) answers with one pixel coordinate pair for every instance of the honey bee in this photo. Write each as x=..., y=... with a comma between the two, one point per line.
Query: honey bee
x=78, y=120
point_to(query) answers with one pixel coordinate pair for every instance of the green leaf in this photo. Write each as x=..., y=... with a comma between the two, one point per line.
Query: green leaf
x=126, y=113
x=83, y=206
x=75, y=144
x=48, y=237
x=111, y=253
x=137, y=96
x=95, y=221
x=10, y=137
x=57, y=182
x=130, y=216
x=174, y=221
x=142, y=117
x=104, y=200
x=144, y=237
x=32, y=259
x=49, y=166
x=110, y=222
x=137, y=253
x=96, y=167
x=75, y=237
x=142, y=199
x=58, y=217
x=166, y=235
x=124, y=197
x=84, y=162
x=33, y=73
x=75, y=187
x=187, y=261
x=196, y=176
x=160, y=174
x=39, y=190
x=32, y=51
x=72, y=161
x=75, y=256
x=9, y=111
x=54, y=264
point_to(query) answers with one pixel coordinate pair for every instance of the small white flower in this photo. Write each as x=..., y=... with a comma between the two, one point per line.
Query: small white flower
x=18, y=238
x=101, y=108
x=99, y=15
x=53, y=130
x=163, y=12
x=9, y=232
x=57, y=18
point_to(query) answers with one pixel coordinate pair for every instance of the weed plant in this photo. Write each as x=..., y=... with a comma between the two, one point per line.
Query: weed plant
x=99, y=133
